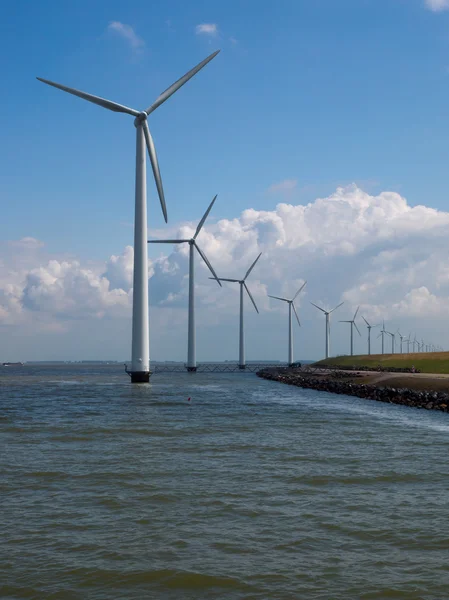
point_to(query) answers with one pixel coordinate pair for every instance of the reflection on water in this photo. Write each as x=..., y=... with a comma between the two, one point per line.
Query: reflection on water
x=251, y=490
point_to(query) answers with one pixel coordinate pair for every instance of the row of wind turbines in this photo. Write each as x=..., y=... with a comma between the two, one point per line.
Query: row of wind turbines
x=191, y=346
x=140, y=355
x=417, y=346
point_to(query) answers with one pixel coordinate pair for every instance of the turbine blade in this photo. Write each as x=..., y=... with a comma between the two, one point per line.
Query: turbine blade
x=318, y=307
x=341, y=304
x=167, y=241
x=201, y=223
x=355, y=314
x=155, y=167
x=357, y=328
x=91, y=98
x=204, y=257
x=223, y=279
x=296, y=314
x=299, y=291
x=252, y=299
x=345, y=321
x=366, y=321
x=179, y=83
x=278, y=298
x=252, y=267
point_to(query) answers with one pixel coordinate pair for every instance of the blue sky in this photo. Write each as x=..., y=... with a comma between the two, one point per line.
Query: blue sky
x=305, y=96
x=323, y=92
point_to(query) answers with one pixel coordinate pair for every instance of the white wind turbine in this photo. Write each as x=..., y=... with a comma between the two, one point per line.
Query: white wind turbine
x=191, y=350
x=369, y=334
x=328, y=325
x=291, y=307
x=392, y=340
x=409, y=341
x=402, y=338
x=353, y=324
x=140, y=360
x=242, y=282
x=381, y=334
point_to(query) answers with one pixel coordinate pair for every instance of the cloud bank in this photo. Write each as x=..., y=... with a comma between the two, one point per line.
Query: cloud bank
x=375, y=251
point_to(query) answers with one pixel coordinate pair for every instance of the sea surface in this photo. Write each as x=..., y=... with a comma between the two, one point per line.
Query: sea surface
x=250, y=490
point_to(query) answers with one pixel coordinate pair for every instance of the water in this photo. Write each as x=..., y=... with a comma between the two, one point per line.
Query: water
x=253, y=490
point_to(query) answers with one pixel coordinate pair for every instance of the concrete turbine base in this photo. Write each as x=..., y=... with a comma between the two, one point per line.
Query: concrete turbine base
x=242, y=367
x=138, y=376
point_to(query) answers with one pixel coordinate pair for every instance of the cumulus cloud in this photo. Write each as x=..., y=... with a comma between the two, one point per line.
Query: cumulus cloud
x=210, y=29
x=375, y=251
x=437, y=5
x=127, y=33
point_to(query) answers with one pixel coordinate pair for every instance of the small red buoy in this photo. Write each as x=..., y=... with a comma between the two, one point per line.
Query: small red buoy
x=188, y=399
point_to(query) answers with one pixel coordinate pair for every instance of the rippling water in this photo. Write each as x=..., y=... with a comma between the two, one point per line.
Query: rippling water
x=251, y=490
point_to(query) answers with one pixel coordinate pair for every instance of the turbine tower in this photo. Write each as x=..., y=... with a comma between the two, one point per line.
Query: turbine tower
x=140, y=359
x=191, y=349
x=328, y=325
x=242, y=282
x=369, y=334
x=291, y=307
x=353, y=324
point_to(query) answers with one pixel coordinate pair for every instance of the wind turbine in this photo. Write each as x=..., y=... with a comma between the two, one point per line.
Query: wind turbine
x=369, y=334
x=191, y=350
x=392, y=340
x=408, y=340
x=290, y=328
x=381, y=334
x=242, y=282
x=140, y=360
x=328, y=326
x=402, y=338
x=353, y=324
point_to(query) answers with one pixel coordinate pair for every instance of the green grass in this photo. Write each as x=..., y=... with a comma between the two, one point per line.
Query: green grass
x=428, y=362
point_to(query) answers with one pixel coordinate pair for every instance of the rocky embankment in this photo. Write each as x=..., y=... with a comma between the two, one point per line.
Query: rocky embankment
x=338, y=384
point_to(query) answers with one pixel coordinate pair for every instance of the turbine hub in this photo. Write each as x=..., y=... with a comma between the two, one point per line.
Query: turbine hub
x=141, y=118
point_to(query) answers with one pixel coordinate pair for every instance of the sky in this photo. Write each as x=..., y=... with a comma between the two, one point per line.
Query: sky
x=322, y=126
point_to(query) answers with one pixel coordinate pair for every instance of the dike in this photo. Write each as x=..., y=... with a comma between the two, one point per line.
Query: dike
x=427, y=399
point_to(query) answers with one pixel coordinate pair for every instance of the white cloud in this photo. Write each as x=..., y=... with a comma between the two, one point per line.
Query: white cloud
x=127, y=33
x=375, y=251
x=437, y=5
x=207, y=29
x=283, y=187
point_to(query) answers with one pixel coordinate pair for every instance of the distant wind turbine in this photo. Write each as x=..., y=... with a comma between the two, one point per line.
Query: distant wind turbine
x=409, y=341
x=242, y=282
x=328, y=327
x=402, y=338
x=381, y=334
x=352, y=325
x=191, y=350
x=140, y=363
x=369, y=334
x=392, y=340
x=291, y=307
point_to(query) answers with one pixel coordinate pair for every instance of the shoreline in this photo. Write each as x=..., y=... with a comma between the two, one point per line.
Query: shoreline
x=417, y=390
